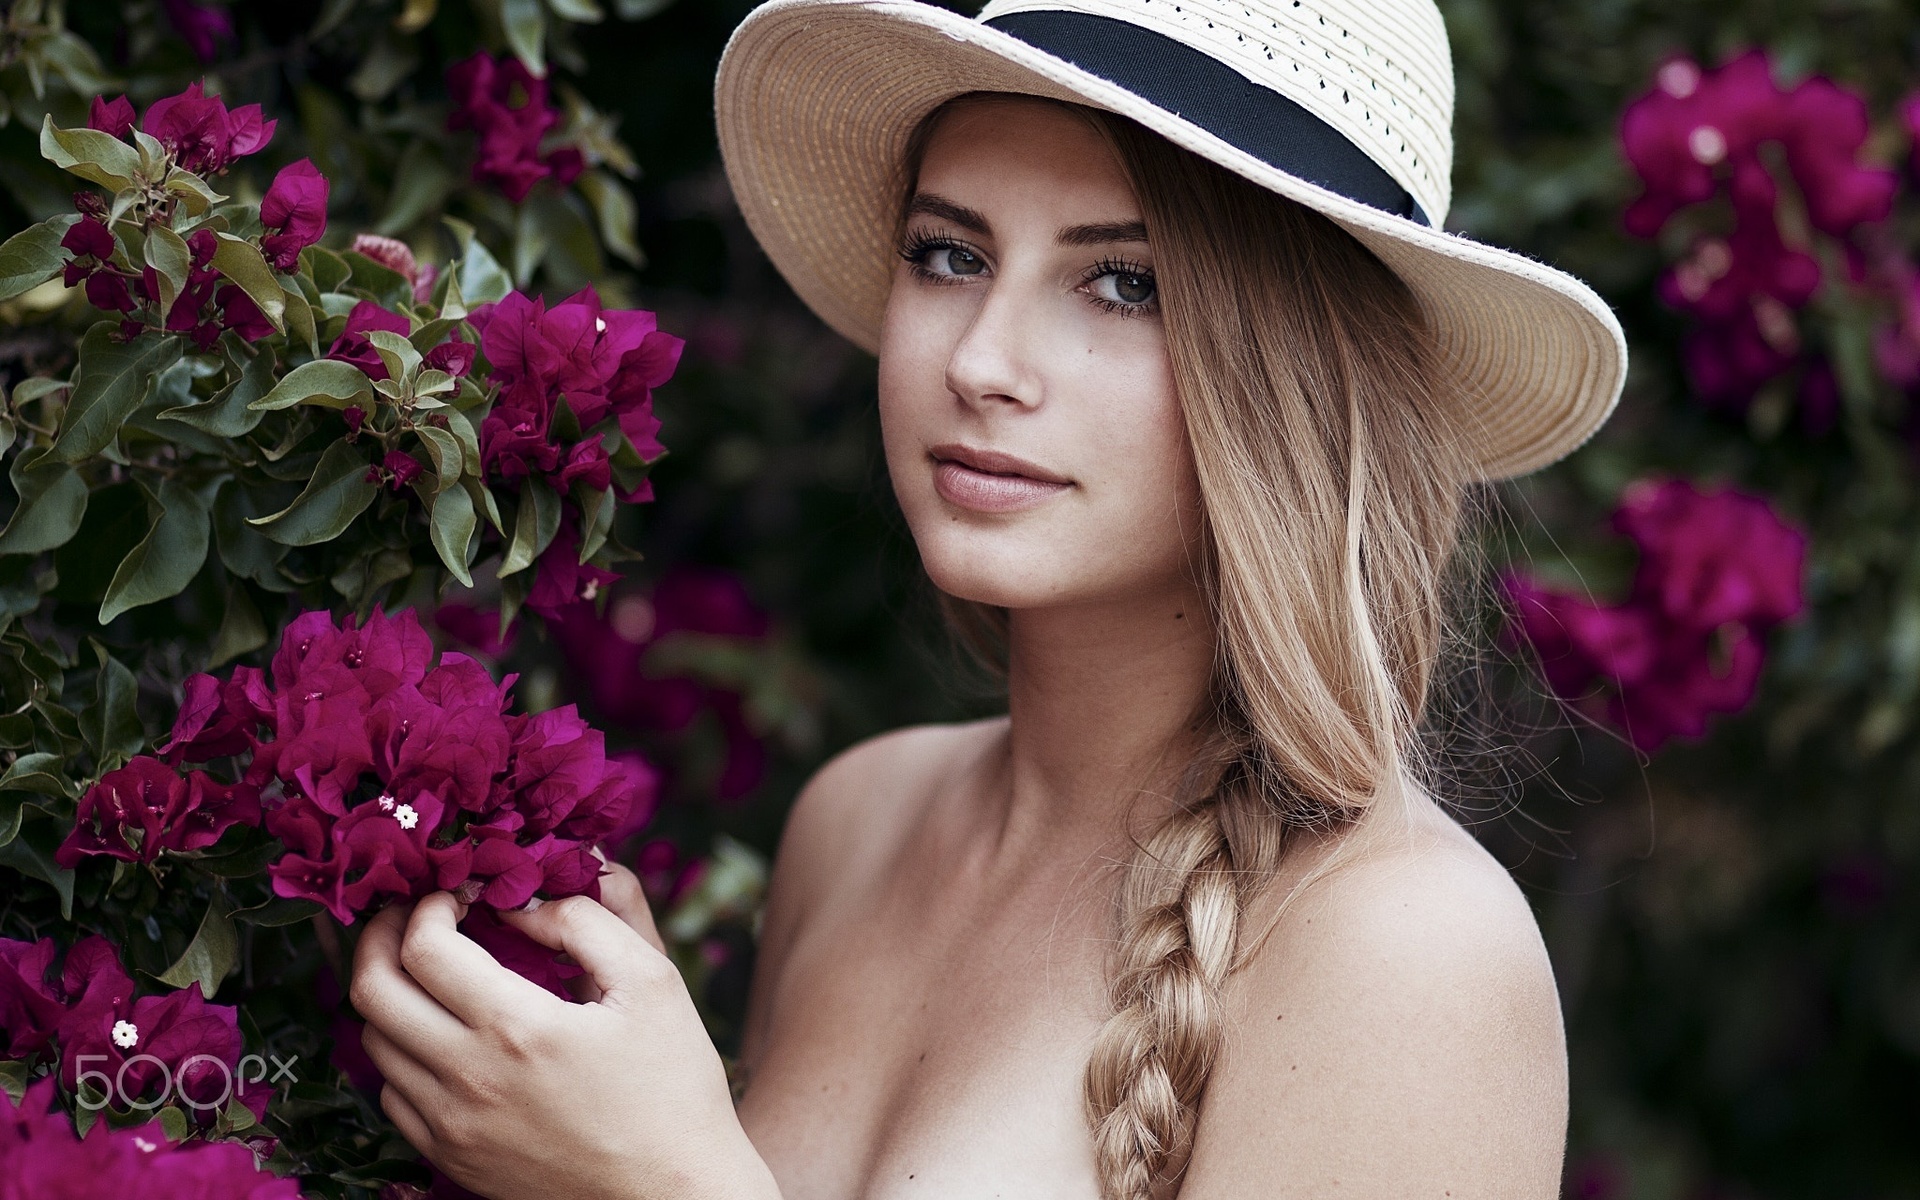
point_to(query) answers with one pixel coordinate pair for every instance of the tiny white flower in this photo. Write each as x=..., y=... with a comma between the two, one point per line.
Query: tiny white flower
x=600, y=324
x=126, y=1034
x=1679, y=79
x=386, y=802
x=406, y=816
x=144, y=1144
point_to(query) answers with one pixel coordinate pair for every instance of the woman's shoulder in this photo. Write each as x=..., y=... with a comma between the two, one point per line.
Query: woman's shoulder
x=1399, y=1027
x=848, y=819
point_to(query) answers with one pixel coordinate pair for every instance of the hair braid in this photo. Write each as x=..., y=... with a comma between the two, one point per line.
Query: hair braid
x=1179, y=912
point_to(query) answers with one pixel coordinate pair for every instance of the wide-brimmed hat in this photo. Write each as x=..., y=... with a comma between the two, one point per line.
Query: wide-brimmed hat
x=1345, y=106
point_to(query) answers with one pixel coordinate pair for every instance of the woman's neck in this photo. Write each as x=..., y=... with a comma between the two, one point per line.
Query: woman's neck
x=1098, y=696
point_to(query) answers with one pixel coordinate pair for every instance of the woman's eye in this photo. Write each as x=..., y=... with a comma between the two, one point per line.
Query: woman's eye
x=1129, y=288
x=957, y=260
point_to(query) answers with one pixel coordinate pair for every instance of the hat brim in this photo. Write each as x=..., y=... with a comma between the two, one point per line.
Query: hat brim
x=815, y=101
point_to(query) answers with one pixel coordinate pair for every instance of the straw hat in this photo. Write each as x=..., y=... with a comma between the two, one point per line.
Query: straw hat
x=1343, y=105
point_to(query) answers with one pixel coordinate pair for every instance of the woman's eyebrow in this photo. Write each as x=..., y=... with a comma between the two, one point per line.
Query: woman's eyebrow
x=1102, y=233
x=932, y=204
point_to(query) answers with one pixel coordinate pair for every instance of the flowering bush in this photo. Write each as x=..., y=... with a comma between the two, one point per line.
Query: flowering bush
x=1717, y=572
x=280, y=417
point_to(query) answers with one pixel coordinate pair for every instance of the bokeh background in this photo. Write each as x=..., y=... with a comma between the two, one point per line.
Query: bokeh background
x=1718, y=827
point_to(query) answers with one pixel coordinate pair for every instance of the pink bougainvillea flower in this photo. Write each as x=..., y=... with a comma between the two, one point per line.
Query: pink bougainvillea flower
x=240, y=314
x=396, y=470
x=507, y=108
x=203, y=136
x=396, y=255
x=46, y=1160
x=204, y=27
x=453, y=356
x=1718, y=570
x=607, y=652
x=352, y=344
x=146, y=806
x=29, y=1009
x=295, y=211
x=560, y=577
x=114, y=117
x=667, y=872
x=1709, y=559
x=519, y=953
x=1698, y=132
x=147, y=1044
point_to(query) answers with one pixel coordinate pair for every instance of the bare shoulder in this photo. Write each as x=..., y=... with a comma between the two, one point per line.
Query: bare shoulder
x=1398, y=1032
x=842, y=829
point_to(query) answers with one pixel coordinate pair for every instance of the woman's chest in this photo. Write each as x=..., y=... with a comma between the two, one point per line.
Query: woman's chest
x=932, y=1053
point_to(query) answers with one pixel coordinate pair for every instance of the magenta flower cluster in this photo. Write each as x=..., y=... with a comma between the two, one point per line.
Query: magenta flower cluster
x=607, y=652
x=203, y=136
x=507, y=108
x=43, y=1158
x=604, y=364
x=1701, y=135
x=83, y=1013
x=1717, y=571
x=388, y=774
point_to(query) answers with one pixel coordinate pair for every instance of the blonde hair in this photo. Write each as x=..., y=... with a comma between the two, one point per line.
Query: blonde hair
x=1332, y=495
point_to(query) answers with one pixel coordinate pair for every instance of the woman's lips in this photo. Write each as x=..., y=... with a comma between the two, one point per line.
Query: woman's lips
x=989, y=482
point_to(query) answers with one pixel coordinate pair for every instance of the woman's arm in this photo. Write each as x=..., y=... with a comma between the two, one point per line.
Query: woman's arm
x=518, y=1094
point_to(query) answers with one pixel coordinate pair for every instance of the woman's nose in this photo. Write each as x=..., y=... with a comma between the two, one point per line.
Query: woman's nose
x=996, y=360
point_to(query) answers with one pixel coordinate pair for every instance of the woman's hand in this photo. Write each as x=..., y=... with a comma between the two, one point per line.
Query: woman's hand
x=516, y=1093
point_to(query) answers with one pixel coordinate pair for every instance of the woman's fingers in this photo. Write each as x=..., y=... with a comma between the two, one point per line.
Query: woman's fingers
x=459, y=973
x=407, y=1119
x=388, y=997
x=621, y=892
x=611, y=951
x=401, y=1069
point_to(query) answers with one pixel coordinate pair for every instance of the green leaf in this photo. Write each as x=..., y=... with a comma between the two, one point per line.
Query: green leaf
x=230, y=413
x=36, y=387
x=31, y=854
x=53, y=501
x=525, y=24
x=166, y=252
x=584, y=11
x=42, y=774
x=114, y=379
x=597, y=506
x=616, y=214
x=194, y=194
x=396, y=354
x=244, y=551
x=338, y=492
x=90, y=154
x=449, y=460
x=382, y=282
x=532, y=238
x=239, y=260
x=301, y=325
x=534, y=526
x=483, y=501
x=34, y=255
x=328, y=270
x=111, y=725
x=635, y=10
x=464, y=427
x=212, y=955
x=326, y=382
x=421, y=185
x=242, y=631
x=167, y=559
x=481, y=278
x=13, y=1079
x=453, y=524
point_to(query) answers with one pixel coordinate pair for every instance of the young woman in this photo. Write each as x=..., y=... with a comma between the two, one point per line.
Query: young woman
x=1180, y=391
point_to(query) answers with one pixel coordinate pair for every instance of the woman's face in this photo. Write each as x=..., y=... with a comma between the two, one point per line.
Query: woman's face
x=1026, y=401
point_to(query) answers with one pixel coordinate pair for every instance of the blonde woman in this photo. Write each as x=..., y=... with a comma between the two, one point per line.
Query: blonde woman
x=1180, y=387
